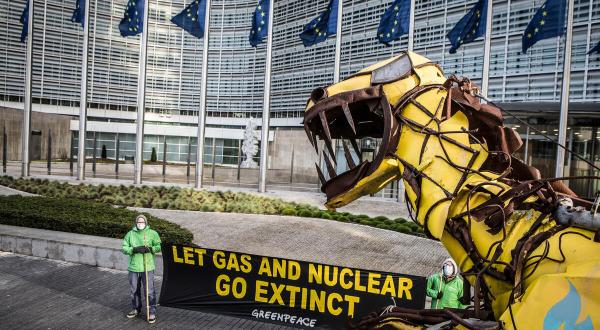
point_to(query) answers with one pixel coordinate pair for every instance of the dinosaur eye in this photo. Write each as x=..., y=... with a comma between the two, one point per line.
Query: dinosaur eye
x=392, y=71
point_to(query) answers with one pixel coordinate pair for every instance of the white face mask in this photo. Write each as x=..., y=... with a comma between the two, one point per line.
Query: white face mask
x=448, y=270
x=140, y=225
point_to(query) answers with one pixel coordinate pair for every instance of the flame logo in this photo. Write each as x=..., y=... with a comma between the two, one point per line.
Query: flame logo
x=565, y=312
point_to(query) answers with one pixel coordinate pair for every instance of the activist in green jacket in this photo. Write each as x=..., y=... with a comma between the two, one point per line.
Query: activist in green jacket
x=137, y=238
x=446, y=288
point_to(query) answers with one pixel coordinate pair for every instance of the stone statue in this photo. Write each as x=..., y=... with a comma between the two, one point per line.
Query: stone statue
x=250, y=145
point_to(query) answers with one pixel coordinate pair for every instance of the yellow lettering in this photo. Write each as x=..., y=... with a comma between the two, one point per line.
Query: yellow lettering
x=200, y=253
x=304, y=301
x=293, y=290
x=278, y=268
x=334, y=277
x=293, y=270
x=373, y=283
x=343, y=273
x=351, y=301
x=317, y=300
x=404, y=286
x=219, y=259
x=222, y=289
x=238, y=287
x=260, y=291
x=233, y=263
x=246, y=265
x=187, y=255
x=277, y=289
x=315, y=274
x=388, y=286
x=175, y=257
x=265, y=267
x=330, y=299
x=357, y=285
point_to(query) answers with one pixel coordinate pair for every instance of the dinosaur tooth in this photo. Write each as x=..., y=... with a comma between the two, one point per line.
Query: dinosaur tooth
x=355, y=147
x=348, y=155
x=327, y=136
x=330, y=168
x=320, y=173
x=349, y=117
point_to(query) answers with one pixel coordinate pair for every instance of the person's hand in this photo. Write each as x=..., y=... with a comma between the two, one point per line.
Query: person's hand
x=440, y=294
x=141, y=249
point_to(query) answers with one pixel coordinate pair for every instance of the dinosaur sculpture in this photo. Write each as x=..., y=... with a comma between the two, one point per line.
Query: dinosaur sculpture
x=517, y=238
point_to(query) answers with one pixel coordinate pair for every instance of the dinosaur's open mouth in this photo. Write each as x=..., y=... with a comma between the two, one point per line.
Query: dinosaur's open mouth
x=350, y=117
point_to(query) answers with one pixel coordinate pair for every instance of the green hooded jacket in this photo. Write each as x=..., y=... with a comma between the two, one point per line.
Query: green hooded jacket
x=452, y=291
x=136, y=237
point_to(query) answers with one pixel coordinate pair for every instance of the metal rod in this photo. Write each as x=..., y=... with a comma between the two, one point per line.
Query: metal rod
x=49, y=152
x=527, y=147
x=164, y=162
x=564, y=95
x=26, y=129
x=411, y=26
x=338, y=41
x=292, y=167
x=202, y=111
x=4, y=151
x=212, y=174
x=506, y=35
x=189, y=156
x=83, y=92
x=141, y=100
x=71, y=152
x=264, y=142
x=487, y=45
x=239, y=160
x=94, y=146
x=117, y=156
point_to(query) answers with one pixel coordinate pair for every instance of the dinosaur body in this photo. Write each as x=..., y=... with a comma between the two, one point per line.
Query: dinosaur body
x=491, y=212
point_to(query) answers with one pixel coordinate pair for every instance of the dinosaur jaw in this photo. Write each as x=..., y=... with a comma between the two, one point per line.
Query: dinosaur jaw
x=351, y=116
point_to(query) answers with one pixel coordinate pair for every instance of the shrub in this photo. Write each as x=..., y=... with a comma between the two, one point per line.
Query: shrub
x=153, y=157
x=103, y=153
x=76, y=216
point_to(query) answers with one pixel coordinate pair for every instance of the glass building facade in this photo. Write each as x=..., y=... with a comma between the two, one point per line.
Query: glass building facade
x=528, y=84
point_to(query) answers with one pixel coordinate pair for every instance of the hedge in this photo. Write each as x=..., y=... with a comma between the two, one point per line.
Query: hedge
x=175, y=198
x=82, y=217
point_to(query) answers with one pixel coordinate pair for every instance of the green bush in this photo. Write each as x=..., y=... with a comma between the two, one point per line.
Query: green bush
x=175, y=198
x=82, y=217
x=153, y=157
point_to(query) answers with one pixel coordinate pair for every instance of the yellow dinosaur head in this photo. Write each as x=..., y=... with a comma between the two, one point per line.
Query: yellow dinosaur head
x=361, y=106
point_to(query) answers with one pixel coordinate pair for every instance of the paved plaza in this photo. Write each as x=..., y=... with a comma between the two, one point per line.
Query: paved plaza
x=38, y=293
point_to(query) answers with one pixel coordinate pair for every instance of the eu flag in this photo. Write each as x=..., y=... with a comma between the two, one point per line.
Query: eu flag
x=548, y=22
x=24, y=20
x=394, y=22
x=260, y=23
x=596, y=49
x=133, y=19
x=321, y=27
x=192, y=18
x=470, y=27
x=79, y=12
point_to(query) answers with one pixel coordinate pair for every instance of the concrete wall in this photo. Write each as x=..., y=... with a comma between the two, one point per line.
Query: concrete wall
x=305, y=157
x=59, y=125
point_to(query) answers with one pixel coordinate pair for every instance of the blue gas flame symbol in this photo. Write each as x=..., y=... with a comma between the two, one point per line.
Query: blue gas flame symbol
x=566, y=312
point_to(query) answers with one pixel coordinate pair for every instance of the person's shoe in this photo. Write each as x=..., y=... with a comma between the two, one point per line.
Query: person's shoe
x=151, y=319
x=132, y=314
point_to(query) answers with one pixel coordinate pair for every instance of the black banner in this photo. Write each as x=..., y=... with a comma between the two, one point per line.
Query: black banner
x=277, y=290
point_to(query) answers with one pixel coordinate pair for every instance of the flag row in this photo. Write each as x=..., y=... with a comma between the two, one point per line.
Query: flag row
x=548, y=22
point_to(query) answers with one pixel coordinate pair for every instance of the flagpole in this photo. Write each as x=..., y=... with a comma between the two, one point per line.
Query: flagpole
x=264, y=142
x=485, y=77
x=26, y=129
x=141, y=100
x=83, y=97
x=202, y=111
x=564, y=95
x=338, y=42
x=411, y=26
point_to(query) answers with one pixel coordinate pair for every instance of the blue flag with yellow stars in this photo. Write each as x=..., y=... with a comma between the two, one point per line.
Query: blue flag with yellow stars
x=133, y=19
x=321, y=27
x=548, y=22
x=470, y=27
x=596, y=49
x=260, y=23
x=192, y=18
x=79, y=12
x=394, y=22
x=24, y=20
